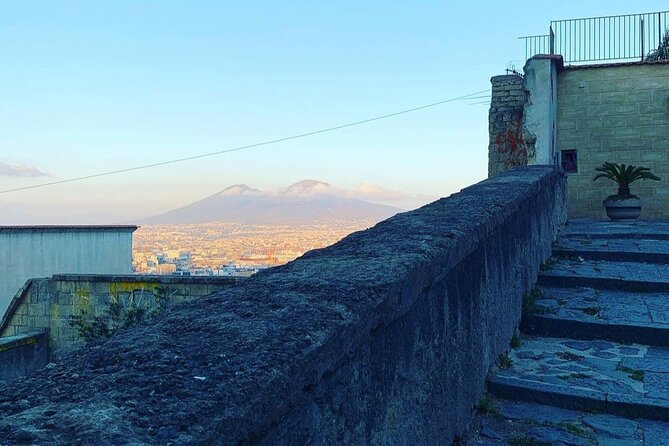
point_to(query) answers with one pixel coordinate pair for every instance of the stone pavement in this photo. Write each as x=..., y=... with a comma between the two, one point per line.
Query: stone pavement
x=516, y=423
x=591, y=366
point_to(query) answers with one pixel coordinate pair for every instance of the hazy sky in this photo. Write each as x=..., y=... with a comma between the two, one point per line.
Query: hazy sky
x=90, y=86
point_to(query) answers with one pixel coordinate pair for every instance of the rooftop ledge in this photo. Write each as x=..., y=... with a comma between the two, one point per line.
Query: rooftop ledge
x=67, y=228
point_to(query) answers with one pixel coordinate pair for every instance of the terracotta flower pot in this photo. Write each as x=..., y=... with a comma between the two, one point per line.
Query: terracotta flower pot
x=623, y=209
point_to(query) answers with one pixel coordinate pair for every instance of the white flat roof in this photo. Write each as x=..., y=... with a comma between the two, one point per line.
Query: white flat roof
x=68, y=228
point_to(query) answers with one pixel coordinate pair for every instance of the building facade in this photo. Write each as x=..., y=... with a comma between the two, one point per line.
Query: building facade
x=40, y=251
x=620, y=114
x=580, y=117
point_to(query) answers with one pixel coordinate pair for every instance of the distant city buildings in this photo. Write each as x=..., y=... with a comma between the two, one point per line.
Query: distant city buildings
x=230, y=249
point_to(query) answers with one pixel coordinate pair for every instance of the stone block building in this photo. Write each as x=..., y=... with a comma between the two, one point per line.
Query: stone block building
x=617, y=113
x=579, y=117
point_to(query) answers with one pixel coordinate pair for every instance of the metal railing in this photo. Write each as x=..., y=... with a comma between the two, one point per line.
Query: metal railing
x=621, y=37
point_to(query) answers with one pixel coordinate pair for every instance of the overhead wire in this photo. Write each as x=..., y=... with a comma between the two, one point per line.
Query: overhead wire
x=245, y=147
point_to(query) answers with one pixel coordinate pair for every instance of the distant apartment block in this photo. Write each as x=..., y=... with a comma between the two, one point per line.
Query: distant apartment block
x=40, y=251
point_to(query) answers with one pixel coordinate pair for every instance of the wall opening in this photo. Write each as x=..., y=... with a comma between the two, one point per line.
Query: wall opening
x=569, y=161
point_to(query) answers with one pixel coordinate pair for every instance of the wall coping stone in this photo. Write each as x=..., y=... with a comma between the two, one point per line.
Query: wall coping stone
x=68, y=228
x=559, y=61
x=617, y=64
x=151, y=278
x=8, y=342
x=19, y=297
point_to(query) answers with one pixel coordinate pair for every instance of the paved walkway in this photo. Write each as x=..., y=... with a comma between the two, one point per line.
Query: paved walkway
x=591, y=366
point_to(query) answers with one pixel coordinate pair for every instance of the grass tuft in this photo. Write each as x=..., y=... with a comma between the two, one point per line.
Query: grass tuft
x=568, y=356
x=530, y=302
x=637, y=375
x=574, y=428
x=488, y=406
x=504, y=362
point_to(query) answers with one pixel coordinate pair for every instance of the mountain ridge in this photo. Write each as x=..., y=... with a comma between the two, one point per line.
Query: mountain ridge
x=304, y=202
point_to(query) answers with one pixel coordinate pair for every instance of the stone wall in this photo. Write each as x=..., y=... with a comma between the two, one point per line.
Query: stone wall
x=616, y=113
x=24, y=354
x=50, y=303
x=509, y=146
x=385, y=337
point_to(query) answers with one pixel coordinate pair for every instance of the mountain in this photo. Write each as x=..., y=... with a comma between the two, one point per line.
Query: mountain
x=308, y=188
x=305, y=202
x=238, y=189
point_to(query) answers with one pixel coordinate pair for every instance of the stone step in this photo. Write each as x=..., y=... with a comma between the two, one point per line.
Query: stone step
x=614, y=250
x=610, y=230
x=603, y=275
x=625, y=380
x=504, y=422
x=586, y=313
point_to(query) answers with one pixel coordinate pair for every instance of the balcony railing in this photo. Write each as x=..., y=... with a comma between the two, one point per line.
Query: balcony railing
x=621, y=37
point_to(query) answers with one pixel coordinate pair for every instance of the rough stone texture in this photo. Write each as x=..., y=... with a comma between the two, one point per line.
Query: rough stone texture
x=50, y=303
x=628, y=250
x=604, y=275
x=640, y=230
x=383, y=338
x=509, y=146
x=617, y=114
x=621, y=316
x=588, y=369
x=595, y=373
x=23, y=354
x=514, y=422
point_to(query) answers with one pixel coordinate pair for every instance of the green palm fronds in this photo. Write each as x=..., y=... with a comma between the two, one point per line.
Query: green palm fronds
x=662, y=51
x=624, y=175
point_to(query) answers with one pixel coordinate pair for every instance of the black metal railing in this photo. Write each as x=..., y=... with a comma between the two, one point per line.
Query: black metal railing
x=621, y=37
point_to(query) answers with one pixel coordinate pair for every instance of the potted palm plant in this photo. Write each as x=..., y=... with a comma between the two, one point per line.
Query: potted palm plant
x=623, y=206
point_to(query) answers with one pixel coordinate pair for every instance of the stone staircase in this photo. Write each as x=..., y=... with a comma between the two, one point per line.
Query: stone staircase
x=592, y=363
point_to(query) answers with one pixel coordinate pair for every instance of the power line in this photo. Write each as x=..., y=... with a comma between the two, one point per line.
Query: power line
x=250, y=146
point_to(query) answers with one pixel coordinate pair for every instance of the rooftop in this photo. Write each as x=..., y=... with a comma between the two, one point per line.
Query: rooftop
x=67, y=228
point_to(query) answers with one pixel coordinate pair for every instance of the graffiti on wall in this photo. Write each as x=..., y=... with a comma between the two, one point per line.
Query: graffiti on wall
x=512, y=145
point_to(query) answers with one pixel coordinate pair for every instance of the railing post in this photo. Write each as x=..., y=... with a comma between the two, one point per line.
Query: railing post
x=659, y=28
x=642, y=39
x=551, y=39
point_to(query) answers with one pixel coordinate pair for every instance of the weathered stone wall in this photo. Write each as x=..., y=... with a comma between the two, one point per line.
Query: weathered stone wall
x=24, y=354
x=618, y=114
x=51, y=302
x=509, y=145
x=383, y=338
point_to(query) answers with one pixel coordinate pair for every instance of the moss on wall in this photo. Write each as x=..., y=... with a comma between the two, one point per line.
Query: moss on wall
x=52, y=303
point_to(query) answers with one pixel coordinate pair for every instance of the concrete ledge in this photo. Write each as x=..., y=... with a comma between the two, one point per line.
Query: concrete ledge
x=24, y=354
x=151, y=278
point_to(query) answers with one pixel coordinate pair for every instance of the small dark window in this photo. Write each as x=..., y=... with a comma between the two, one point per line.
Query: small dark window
x=569, y=161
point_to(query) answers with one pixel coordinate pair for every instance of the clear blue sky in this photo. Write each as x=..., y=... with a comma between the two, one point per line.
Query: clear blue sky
x=92, y=86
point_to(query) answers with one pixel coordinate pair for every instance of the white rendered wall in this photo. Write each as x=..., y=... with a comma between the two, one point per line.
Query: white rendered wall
x=541, y=108
x=26, y=254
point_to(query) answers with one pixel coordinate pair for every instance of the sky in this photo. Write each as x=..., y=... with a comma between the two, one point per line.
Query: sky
x=88, y=87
